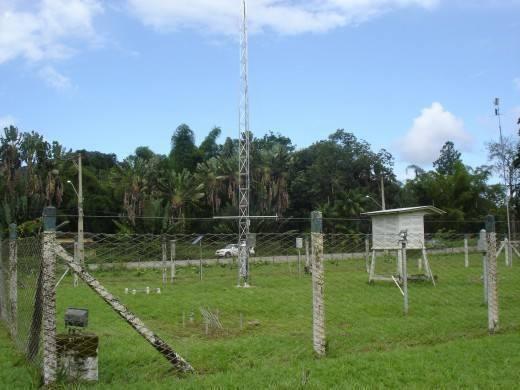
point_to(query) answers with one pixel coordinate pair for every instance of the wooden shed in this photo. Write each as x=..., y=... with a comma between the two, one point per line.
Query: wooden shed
x=387, y=224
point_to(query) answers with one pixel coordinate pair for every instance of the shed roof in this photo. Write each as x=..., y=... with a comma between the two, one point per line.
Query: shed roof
x=405, y=210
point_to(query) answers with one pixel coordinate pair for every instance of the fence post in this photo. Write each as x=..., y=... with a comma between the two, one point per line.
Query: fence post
x=367, y=254
x=482, y=247
x=77, y=260
x=318, y=284
x=404, y=275
x=506, y=251
x=49, y=296
x=307, y=267
x=172, y=260
x=13, y=281
x=3, y=307
x=466, y=253
x=492, y=275
x=164, y=257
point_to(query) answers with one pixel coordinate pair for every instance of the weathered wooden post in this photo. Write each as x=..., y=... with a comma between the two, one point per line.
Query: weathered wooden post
x=492, y=275
x=172, y=260
x=3, y=306
x=13, y=281
x=466, y=253
x=50, y=360
x=318, y=284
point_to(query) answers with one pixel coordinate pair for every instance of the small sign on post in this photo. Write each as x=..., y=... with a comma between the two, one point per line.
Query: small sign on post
x=299, y=242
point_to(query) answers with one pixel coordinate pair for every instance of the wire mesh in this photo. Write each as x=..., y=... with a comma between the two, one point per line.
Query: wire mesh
x=218, y=328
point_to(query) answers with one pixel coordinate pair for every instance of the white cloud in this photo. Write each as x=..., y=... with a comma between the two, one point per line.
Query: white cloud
x=44, y=29
x=430, y=131
x=6, y=121
x=53, y=78
x=281, y=16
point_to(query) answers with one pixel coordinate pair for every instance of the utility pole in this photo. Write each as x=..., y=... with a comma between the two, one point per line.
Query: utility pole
x=243, y=157
x=504, y=172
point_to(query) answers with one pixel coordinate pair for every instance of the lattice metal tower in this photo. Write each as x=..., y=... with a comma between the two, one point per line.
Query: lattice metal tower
x=244, y=143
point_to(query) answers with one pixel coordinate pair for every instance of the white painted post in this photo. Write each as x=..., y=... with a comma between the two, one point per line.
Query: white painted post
x=50, y=361
x=318, y=284
x=466, y=253
x=13, y=281
x=492, y=275
x=172, y=260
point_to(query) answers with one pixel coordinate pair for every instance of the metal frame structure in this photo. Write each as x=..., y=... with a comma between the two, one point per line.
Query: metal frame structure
x=244, y=143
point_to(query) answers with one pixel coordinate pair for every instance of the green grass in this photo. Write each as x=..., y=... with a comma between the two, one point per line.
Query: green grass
x=443, y=342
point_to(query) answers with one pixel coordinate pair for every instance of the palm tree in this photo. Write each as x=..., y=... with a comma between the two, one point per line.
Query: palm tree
x=271, y=178
x=208, y=174
x=180, y=191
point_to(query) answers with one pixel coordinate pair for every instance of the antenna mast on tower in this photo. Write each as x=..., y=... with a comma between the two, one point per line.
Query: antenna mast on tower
x=244, y=143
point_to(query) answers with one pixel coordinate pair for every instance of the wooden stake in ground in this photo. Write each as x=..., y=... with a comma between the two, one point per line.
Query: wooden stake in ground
x=492, y=275
x=318, y=284
x=173, y=357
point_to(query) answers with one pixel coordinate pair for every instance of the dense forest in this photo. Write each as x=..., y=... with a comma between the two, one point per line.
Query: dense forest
x=181, y=192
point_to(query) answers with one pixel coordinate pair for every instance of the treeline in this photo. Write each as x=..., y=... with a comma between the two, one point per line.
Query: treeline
x=181, y=192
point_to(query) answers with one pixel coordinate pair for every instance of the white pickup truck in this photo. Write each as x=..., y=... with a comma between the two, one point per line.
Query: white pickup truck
x=231, y=250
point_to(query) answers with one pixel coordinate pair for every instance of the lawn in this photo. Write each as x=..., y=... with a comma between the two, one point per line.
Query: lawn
x=266, y=340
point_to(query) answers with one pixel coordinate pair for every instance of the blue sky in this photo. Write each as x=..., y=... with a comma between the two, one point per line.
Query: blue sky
x=405, y=75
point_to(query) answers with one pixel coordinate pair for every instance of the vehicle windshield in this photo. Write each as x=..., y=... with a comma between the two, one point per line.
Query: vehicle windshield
x=229, y=246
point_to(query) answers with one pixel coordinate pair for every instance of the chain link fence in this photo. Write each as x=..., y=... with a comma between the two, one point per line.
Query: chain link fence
x=379, y=293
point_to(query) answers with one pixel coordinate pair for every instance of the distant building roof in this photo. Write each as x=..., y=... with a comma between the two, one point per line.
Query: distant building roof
x=405, y=210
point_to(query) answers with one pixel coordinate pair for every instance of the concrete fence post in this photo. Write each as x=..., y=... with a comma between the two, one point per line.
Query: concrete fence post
x=172, y=260
x=507, y=252
x=404, y=267
x=13, y=281
x=318, y=284
x=3, y=281
x=77, y=260
x=307, y=267
x=492, y=275
x=164, y=251
x=49, y=296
